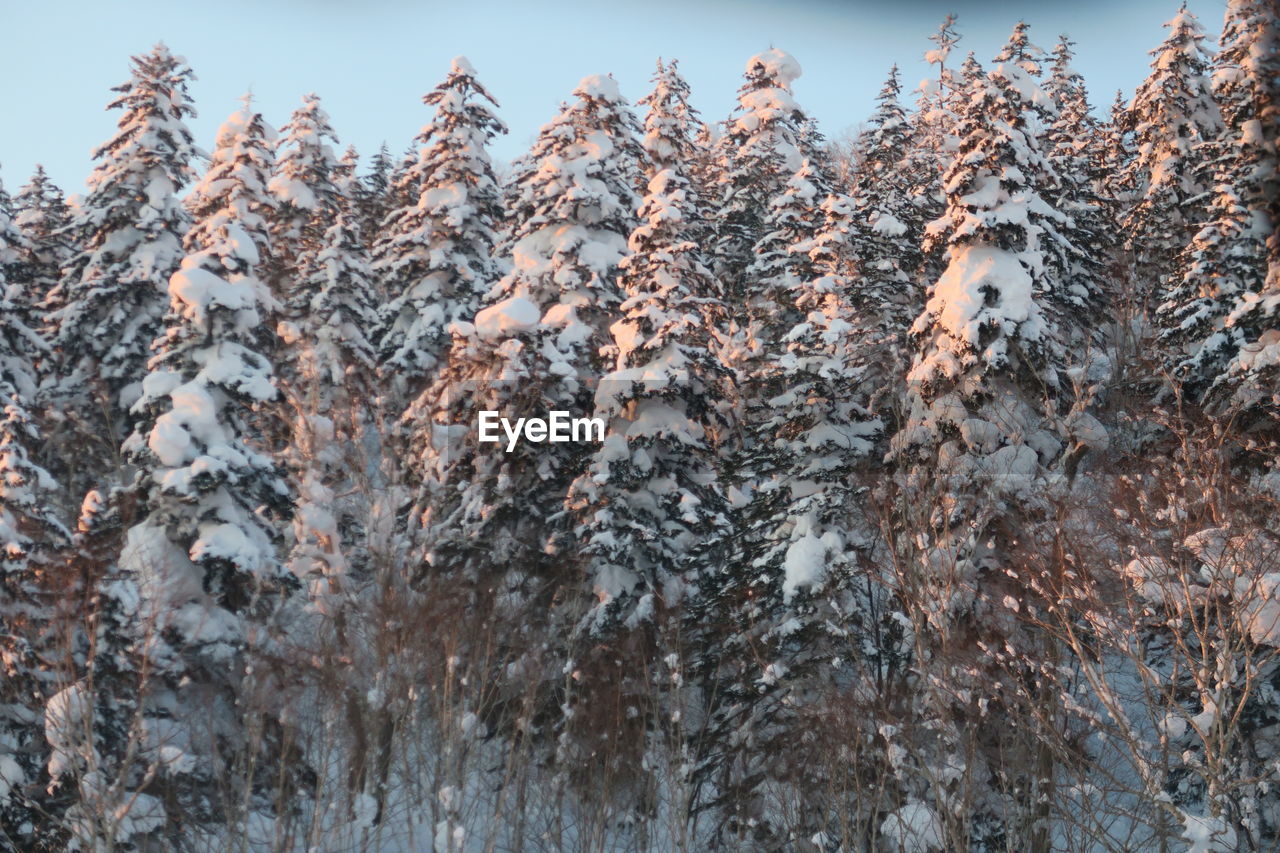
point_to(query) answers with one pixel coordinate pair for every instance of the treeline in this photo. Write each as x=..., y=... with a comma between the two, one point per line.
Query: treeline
x=936, y=510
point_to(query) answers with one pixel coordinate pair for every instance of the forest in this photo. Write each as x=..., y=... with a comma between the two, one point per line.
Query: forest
x=937, y=507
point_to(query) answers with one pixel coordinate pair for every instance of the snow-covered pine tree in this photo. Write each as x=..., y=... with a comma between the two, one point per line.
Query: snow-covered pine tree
x=1072, y=146
x=671, y=124
x=331, y=313
x=307, y=196
x=980, y=441
x=402, y=188
x=15, y=252
x=344, y=175
x=648, y=511
x=372, y=199
x=203, y=554
x=30, y=538
x=43, y=218
x=873, y=240
x=128, y=234
x=1116, y=152
x=1228, y=298
x=933, y=140
x=775, y=271
x=649, y=504
x=539, y=346
x=702, y=169
x=435, y=257
x=1171, y=115
x=759, y=152
x=91, y=723
x=235, y=186
x=934, y=117
x=787, y=577
x=331, y=394
x=1018, y=50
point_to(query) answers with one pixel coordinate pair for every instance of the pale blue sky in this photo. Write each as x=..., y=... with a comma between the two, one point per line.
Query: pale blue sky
x=371, y=61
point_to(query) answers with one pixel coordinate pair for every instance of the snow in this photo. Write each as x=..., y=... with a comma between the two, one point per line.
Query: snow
x=599, y=86
x=461, y=65
x=960, y=298
x=1208, y=834
x=166, y=577
x=511, y=316
x=68, y=719
x=777, y=64
x=807, y=557
x=913, y=828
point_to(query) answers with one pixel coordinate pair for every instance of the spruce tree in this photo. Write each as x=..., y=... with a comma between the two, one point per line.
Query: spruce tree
x=649, y=504
x=307, y=195
x=1171, y=116
x=30, y=538
x=1073, y=150
x=236, y=185
x=538, y=346
x=128, y=234
x=331, y=389
x=15, y=252
x=1019, y=51
x=44, y=220
x=933, y=139
x=671, y=124
x=372, y=199
x=1221, y=316
x=981, y=430
x=759, y=152
x=765, y=616
x=203, y=552
x=871, y=243
x=331, y=312
x=436, y=255
x=776, y=270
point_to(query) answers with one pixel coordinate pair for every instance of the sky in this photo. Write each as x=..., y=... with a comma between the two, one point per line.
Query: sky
x=371, y=61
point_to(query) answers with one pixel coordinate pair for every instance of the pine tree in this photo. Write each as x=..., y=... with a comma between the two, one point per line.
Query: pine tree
x=330, y=387
x=671, y=125
x=933, y=139
x=1172, y=114
x=307, y=196
x=372, y=200
x=981, y=430
x=760, y=150
x=1244, y=80
x=331, y=311
x=30, y=537
x=128, y=232
x=436, y=258
x=92, y=724
x=539, y=346
x=1229, y=295
x=787, y=575
x=1019, y=51
x=203, y=551
x=775, y=270
x=871, y=243
x=1073, y=151
x=236, y=186
x=43, y=218
x=647, y=511
x=344, y=174
x=15, y=251
x=649, y=504
x=332, y=383
x=934, y=117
